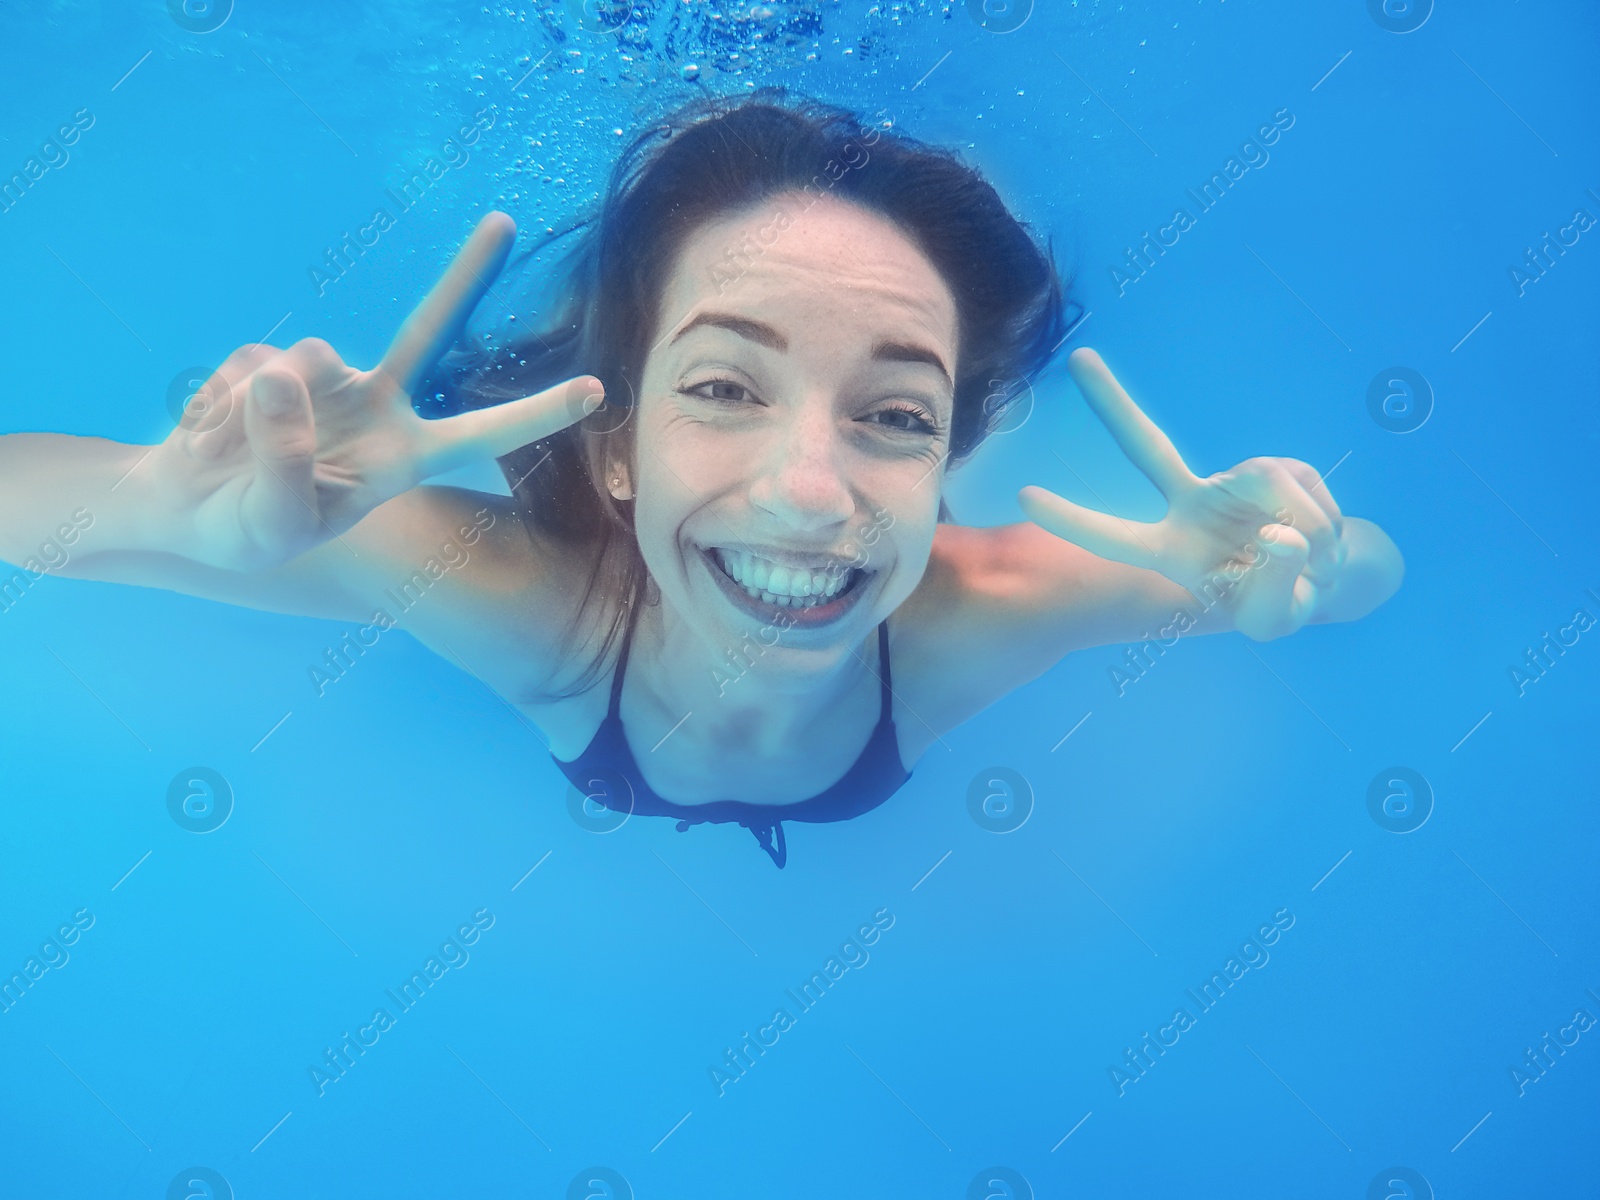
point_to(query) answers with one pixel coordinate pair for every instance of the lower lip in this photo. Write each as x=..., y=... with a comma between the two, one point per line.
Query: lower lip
x=779, y=615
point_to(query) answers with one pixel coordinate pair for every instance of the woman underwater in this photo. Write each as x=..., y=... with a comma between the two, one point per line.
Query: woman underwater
x=726, y=448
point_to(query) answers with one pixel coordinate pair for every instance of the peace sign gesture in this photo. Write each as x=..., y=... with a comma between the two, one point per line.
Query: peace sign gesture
x=284, y=449
x=1265, y=537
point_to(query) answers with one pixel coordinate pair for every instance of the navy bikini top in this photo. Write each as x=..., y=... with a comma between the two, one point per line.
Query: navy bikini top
x=875, y=776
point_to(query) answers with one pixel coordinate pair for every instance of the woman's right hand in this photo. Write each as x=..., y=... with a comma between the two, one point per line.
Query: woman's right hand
x=293, y=447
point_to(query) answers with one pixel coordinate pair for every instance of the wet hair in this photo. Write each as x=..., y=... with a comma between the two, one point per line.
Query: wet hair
x=711, y=158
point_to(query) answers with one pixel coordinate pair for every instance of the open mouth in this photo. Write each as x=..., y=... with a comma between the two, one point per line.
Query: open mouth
x=816, y=594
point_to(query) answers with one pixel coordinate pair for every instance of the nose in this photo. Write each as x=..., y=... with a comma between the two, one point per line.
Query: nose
x=801, y=480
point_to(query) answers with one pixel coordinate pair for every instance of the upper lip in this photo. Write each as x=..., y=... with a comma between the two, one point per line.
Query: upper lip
x=804, y=559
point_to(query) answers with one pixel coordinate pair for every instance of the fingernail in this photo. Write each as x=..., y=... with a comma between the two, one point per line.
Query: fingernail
x=596, y=398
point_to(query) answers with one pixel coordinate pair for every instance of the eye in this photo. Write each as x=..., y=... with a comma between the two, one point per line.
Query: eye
x=722, y=390
x=905, y=418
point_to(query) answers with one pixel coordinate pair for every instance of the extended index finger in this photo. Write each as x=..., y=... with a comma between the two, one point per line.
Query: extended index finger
x=1149, y=449
x=499, y=429
x=441, y=316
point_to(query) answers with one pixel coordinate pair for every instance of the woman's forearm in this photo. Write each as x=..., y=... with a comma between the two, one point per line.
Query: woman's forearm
x=63, y=496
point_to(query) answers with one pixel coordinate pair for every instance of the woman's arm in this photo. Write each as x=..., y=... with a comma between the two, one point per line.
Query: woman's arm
x=291, y=483
x=459, y=570
x=998, y=607
x=1261, y=548
x=1043, y=597
x=81, y=508
x=476, y=539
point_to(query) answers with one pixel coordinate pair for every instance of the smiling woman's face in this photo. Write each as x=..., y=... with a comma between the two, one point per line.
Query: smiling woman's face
x=793, y=421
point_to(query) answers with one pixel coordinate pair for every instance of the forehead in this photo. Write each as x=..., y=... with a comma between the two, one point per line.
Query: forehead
x=838, y=269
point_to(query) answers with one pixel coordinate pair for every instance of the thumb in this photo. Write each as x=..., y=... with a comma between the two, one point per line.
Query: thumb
x=1275, y=598
x=281, y=502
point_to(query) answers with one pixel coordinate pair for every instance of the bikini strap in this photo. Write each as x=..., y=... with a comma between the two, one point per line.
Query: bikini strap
x=883, y=671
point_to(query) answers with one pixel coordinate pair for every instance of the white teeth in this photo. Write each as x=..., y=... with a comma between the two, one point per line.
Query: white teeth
x=775, y=583
x=780, y=585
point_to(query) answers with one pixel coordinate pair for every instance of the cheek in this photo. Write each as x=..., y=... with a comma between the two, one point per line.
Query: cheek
x=897, y=538
x=681, y=462
x=656, y=521
x=671, y=475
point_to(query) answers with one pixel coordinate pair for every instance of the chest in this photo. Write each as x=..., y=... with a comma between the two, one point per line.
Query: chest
x=948, y=663
x=701, y=757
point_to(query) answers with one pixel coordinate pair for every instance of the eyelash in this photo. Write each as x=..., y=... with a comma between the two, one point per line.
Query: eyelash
x=924, y=424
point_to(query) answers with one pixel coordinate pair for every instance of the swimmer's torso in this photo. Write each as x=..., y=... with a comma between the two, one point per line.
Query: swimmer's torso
x=985, y=618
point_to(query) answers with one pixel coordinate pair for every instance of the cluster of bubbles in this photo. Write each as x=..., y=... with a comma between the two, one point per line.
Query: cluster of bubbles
x=736, y=38
x=607, y=67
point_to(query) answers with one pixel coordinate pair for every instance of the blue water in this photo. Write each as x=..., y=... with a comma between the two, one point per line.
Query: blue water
x=1374, y=1039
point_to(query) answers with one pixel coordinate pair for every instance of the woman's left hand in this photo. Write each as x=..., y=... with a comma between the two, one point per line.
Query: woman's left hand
x=1265, y=538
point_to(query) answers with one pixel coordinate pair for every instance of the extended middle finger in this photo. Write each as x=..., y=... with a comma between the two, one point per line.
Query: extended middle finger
x=443, y=313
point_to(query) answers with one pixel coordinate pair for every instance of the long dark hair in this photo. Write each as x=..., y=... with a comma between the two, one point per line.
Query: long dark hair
x=708, y=158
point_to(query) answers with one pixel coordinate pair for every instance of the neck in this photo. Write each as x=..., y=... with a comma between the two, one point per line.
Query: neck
x=737, y=699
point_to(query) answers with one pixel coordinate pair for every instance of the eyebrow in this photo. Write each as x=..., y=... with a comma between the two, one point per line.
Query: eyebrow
x=765, y=335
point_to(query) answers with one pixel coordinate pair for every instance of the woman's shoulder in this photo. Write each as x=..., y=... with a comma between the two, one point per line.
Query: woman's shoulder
x=944, y=636
x=969, y=569
x=469, y=576
x=999, y=606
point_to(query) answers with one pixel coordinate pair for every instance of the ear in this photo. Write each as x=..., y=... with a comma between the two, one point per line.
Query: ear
x=609, y=454
x=619, y=480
